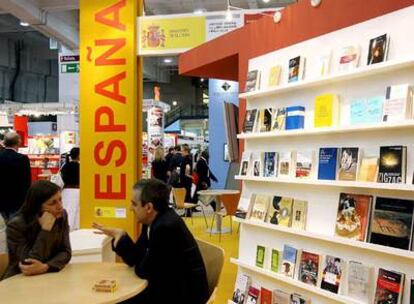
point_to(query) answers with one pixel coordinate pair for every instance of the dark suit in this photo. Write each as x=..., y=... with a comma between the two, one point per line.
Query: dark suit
x=15, y=180
x=170, y=260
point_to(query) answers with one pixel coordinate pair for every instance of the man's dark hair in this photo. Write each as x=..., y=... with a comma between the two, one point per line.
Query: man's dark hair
x=171, y=149
x=185, y=147
x=74, y=153
x=11, y=139
x=177, y=148
x=155, y=191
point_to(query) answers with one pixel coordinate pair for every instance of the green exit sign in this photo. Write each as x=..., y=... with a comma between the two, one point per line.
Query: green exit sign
x=70, y=68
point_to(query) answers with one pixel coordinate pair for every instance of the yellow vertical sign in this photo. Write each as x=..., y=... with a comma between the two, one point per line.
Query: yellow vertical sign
x=108, y=111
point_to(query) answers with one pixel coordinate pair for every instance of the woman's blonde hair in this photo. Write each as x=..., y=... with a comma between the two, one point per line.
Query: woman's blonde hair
x=159, y=154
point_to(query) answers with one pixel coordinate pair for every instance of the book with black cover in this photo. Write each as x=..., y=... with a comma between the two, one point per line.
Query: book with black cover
x=392, y=223
x=378, y=49
x=249, y=120
x=390, y=287
x=393, y=164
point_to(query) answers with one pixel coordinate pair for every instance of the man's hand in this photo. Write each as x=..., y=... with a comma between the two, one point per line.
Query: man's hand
x=47, y=220
x=34, y=267
x=115, y=233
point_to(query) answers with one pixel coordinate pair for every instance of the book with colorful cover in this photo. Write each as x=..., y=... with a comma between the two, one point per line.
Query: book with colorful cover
x=296, y=68
x=281, y=297
x=241, y=288
x=259, y=208
x=289, y=261
x=299, y=214
x=271, y=161
x=326, y=113
x=253, y=81
x=274, y=76
x=285, y=164
x=245, y=163
x=353, y=216
x=253, y=295
x=378, y=49
x=295, y=117
x=274, y=263
x=359, y=281
x=398, y=105
x=244, y=205
x=365, y=111
x=296, y=298
x=279, y=212
x=332, y=273
x=348, y=164
x=368, y=171
x=328, y=163
x=392, y=165
x=265, y=296
x=309, y=268
x=349, y=58
x=260, y=256
x=390, y=287
x=392, y=223
x=250, y=120
x=304, y=164
x=279, y=119
x=265, y=120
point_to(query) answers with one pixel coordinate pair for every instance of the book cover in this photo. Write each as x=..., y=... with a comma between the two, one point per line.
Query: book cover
x=244, y=167
x=270, y=164
x=368, y=171
x=378, y=49
x=359, y=281
x=241, y=288
x=285, y=164
x=309, y=268
x=249, y=121
x=304, y=164
x=296, y=68
x=324, y=64
x=353, y=216
x=265, y=120
x=349, y=58
x=289, y=261
x=296, y=298
x=265, y=296
x=274, y=76
x=260, y=206
x=328, y=162
x=279, y=119
x=365, y=111
x=279, y=212
x=392, y=165
x=260, y=256
x=299, y=212
x=257, y=163
x=392, y=223
x=281, y=297
x=332, y=274
x=244, y=205
x=389, y=289
x=253, y=81
x=348, y=164
x=274, y=263
x=253, y=295
x=398, y=105
x=295, y=117
x=326, y=112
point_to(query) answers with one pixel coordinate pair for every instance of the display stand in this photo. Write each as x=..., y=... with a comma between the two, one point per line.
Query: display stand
x=323, y=196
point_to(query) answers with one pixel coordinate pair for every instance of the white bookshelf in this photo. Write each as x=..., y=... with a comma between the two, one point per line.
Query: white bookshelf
x=329, y=183
x=358, y=73
x=297, y=284
x=332, y=240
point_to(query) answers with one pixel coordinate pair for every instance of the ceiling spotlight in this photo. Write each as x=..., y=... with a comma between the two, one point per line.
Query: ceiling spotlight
x=22, y=23
x=201, y=79
x=266, y=1
x=174, y=103
x=199, y=11
x=168, y=60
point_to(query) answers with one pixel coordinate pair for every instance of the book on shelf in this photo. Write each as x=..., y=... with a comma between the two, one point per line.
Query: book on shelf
x=285, y=164
x=296, y=298
x=325, y=64
x=280, y=211
x=281, y=297
x=253, y=295
x=271, y=161
x=392, y=164
x=349, y=58
x=392, y=223
x=368, y=171
x=296, y=68
x=348, y=163
x=244, y=205
x=398, y=105
x=328, y=162
x=274, y=76
x=241, y=288
x=244, y=168
x=253, y=81
x=352, y=219
x=260, y=256
x=366, y=111
x=378, y=49
x=279, y=119
x=264, y=120
x=257, y=162
x=359, y=281
x=299, y=214
x=304, y=164
x=265, y=296
x=326, y=113
x=390, y=287
x=274, y=260
x=309, y=267
x=259, y=208
x=289, y=261
x=332, y=273
x=412, y=291
x=249, y=120
x=295, y=117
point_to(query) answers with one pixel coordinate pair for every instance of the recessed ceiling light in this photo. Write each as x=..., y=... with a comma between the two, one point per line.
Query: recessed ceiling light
x=174, y=103
x=199, y=11
x=168, y=60
x=22, y=23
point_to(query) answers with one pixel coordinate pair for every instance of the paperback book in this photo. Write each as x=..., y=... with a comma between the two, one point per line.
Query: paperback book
x=304, y=164
x=332, y=274
x=265, y=120
x=281, y=297
x=295, y=117
x=300, y=209
x=271, y=160
x=249, y=121
x=244, y=205
x=366, y=111
x=390, y=285
x=353, y=216
x=325, y=64
x=279, y=119
x=274, y=76
x=326, y=111
x=309, y=268
x=280, y=211
x=274, y=263
x=244, y=168
x=359, y=281
x=265, y=296
x=289, y=261
x=253, y=295
x=378, y=49
x=260, y=256
x=349, y=58
x=296, y=298
x=296, y=68
x=257, y=163
x=285, y=164
x=260, y=206
x=328, y=162
x=398, y=105
x=368, y=172
x=253, y=81
x=392, y=165
x=348, y=164
x=241, y=288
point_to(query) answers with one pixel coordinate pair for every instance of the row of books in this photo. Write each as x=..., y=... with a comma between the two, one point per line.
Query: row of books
x=343, y=164
x=389, y=223
x=395, y=106
x=348, y=59
x=328, y=273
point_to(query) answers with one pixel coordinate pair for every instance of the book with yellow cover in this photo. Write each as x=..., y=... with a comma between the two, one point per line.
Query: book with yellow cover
x=274, y=76
x=368, y=170
x=260, y=206
x=326, y=111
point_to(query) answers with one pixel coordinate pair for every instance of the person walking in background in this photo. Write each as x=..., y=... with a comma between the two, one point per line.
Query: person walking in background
x=70, y=170
x=175, y=168
x=15, y=176
x=168, y=158
x=186, y=171
x=159, y=165
x=204, y=176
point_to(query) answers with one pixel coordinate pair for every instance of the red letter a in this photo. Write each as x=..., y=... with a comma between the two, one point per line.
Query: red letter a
x=101, y=88
x=102, y=16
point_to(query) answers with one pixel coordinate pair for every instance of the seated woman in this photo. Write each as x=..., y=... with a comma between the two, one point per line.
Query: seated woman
x=38, y=236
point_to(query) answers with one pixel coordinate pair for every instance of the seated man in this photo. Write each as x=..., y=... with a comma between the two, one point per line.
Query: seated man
x=166, y=254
